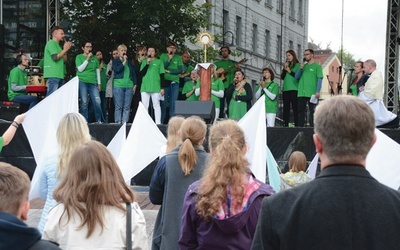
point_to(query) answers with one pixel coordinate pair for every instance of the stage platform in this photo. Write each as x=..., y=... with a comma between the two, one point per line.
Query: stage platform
x=281, y=141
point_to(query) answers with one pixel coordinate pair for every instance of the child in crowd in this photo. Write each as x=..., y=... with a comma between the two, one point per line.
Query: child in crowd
x=296, y=175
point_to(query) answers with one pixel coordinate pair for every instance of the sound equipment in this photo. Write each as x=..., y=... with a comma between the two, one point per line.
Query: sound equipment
x=203, y=109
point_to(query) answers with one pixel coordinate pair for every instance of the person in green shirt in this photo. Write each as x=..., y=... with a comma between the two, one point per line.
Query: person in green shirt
x=124, y=85
x=103, y=81
x=290, y=87
x=152, y=71
x=88, y=72
x=239, y=96
x=270, y=89
x=185, y=76
x=310, y=82
x=17, y=82
x=173, y=67
x=190, y=87
x=226, y=71
x=6, y=138
x=54, y=58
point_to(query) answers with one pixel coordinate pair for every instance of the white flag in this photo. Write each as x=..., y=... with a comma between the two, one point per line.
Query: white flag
x=142, y=145
x=116, y=144
x=312, y=168
x=254, y=126
x=41, y=123
x=383, y=160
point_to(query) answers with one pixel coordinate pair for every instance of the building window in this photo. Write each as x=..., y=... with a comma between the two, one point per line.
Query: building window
x=238, y=30
x=292, y=10
x=255, y=37
x=267, y=43
x=268, y=3
x=291, y=44
x=301, y=15
x=299, y=51
x=279, y=6
x=279, y=50
x=225, y=17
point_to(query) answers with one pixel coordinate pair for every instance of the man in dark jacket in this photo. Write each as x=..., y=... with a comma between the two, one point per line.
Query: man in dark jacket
x=344, y=207
x=14, y=208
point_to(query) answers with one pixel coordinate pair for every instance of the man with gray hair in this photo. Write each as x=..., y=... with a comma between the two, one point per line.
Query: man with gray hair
x=344, y=207
x=372, y=93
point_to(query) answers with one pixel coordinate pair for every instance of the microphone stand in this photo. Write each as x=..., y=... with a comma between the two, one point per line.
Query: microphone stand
x=330, y=85
x=339, y=87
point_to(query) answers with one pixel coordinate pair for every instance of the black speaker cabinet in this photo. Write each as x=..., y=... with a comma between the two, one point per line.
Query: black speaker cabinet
x=203, y=109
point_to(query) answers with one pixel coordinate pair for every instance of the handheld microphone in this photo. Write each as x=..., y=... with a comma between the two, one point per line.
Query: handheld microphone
x=304, y=60
x=142, y=55
x=124, y=54
x=149, y=56
x=264, y=78
x=170, y=52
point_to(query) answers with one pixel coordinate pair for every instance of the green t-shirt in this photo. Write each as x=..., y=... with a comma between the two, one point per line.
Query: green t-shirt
x=151, y=82
x=308, y=82
x=20, y=77
x=175, y=62
x=1, y=143
x=51, y=68
x=88, y=75
x=126, y=81
x=290, y=82
x=271, y=106
x=227, y=65
x=237, y=109
x=188, y=87
x=353, y=89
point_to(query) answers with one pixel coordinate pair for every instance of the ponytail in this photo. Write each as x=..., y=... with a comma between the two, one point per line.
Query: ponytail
x=187, y=156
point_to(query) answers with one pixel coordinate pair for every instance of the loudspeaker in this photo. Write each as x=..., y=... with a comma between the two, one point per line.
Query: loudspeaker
x=203, y=109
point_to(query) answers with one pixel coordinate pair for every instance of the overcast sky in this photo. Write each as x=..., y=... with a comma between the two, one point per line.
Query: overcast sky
x=364, y=27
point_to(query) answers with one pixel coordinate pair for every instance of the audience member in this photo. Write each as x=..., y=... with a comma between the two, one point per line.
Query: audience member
x=171, y=178
x=174, y=138
x=88, y=72
x=270, y=89
x=123, y=85
x=54, y=58
x=290, y=87
x=173, y=68
x=372, y=93
x=310, y=82
x=93, y=205
x=71, y=132
x=152, y=71
x=344, y=207
x=296, y=175
x=6, y=138
x=17, y=82
x=239, y=96
x=221, y=210
x=14, y=208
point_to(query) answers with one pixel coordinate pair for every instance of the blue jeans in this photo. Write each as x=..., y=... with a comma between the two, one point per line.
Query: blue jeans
x=93, y=91
x=53, y=84
x=26, y=99
x=103, y=106
x=170, y=96
x=122, y=102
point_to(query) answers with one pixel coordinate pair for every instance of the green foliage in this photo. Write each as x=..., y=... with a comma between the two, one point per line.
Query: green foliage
x=108, y=23
x=347, y=58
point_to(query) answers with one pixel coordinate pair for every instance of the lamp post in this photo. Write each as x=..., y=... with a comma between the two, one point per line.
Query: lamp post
x=233, y=37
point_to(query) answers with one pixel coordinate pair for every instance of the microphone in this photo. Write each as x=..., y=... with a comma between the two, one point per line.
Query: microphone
x=304, y=60
x=170, y=52
x=149, y=56
x=264, y=78
x=124, y=54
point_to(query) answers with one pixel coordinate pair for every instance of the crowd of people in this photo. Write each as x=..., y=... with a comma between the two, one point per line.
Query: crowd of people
x=208, y=200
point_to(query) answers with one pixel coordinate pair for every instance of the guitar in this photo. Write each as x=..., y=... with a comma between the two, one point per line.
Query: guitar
x=221, y=72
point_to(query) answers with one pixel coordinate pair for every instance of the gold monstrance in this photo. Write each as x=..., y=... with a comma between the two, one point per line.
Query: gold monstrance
x=205, y=38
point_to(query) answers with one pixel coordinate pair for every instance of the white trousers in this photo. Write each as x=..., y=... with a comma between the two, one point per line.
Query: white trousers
x=270, y=119
x=155, y=97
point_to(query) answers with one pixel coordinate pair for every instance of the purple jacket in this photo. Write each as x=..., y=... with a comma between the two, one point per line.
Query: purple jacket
x=235, y=232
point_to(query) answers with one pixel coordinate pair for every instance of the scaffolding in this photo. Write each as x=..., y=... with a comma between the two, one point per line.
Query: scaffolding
x=53, y=15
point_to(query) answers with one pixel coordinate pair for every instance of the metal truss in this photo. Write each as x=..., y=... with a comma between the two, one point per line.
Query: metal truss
x=53, y=15
x=392, y=56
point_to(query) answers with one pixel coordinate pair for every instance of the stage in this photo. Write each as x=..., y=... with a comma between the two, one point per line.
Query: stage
x=281, y=141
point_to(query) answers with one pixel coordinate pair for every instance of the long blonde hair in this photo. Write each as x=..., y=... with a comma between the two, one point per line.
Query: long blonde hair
x=174, y=139
x=226, y=168
x=193, y=131
x=71, y=132
x=93, y=179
